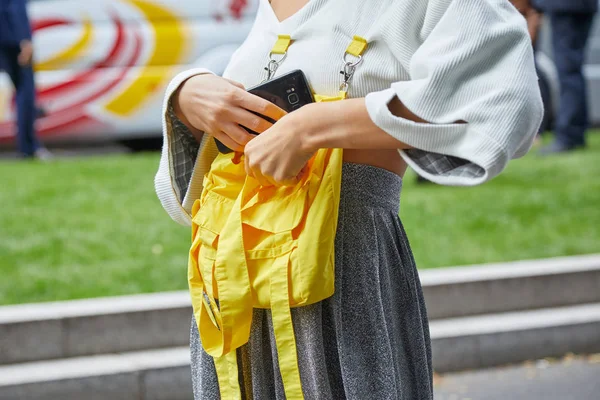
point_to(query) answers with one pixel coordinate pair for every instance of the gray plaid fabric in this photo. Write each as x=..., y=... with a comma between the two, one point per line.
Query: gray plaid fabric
x=442, y=165
x=184, y=150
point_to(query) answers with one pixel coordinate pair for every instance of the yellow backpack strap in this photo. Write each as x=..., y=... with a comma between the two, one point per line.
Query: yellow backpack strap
x=194, y=277
x=283, y=329
x=223, y=365
x=319, y=98
x=282, y=44
x=233, y=287
x=356, y=48
x=234, y=316
x=227, y=375
x=277, y=54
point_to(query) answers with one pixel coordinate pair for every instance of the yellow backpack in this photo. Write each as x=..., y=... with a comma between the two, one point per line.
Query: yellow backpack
x=263, y=247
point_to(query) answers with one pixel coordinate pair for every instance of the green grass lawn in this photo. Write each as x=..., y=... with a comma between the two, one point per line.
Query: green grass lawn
x=92, y=227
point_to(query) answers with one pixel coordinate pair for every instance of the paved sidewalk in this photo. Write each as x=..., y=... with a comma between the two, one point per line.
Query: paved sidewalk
x=574, y=378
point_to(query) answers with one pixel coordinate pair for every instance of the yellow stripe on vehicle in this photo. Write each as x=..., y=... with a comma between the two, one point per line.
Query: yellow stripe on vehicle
x=62, y=59
x=169, y=47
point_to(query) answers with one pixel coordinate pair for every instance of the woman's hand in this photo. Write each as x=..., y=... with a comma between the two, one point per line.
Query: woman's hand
x=278, y=156
x=218, y=106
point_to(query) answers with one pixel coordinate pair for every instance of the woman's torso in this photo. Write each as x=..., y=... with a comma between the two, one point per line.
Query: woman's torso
x=321, y=31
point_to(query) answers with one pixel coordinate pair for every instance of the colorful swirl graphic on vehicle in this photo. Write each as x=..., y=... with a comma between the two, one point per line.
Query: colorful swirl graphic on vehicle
x=117, y=56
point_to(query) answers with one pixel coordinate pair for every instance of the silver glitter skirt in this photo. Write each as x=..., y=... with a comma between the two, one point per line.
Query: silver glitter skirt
x=371, y=339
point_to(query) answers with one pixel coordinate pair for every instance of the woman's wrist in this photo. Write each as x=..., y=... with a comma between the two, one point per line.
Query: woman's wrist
x=319, y=125
x=176, y=105
x=178, y=111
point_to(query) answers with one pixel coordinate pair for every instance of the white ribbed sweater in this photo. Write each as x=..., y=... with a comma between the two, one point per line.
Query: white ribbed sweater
x=446, y=60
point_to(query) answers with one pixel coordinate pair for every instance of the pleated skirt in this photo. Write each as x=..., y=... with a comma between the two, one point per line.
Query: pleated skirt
x=371, y=339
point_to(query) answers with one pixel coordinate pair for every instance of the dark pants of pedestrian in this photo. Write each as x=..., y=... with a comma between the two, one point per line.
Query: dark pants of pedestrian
x=22, y=79
x=570, y=32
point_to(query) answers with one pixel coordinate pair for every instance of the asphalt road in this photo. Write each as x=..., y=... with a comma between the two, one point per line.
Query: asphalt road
x=569, y=379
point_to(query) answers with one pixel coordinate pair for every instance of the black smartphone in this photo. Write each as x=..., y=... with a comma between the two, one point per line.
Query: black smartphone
x=289, y=92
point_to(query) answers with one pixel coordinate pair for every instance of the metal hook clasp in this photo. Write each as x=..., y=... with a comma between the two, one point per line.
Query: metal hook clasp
x=348, y=72
x=352, y=63
x=273, y=65
x=271, y=68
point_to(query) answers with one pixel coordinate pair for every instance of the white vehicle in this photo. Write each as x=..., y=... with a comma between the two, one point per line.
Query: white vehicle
x=102, y=66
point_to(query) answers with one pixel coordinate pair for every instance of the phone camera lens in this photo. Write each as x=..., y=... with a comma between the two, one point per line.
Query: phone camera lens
x=293, y=98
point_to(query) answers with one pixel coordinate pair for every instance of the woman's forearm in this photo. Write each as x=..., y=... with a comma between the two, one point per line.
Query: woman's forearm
x=347, y=125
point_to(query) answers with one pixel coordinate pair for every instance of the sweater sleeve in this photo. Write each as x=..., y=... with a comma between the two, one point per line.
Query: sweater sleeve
x=472, y=61
x=176, y=177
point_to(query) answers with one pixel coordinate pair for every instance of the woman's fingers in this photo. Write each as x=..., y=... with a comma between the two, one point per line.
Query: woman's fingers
x=229, y=142
x=255, y=172
x=237, y=133
x=261, y=106
x=289, y=182
x=250, y=120
x=262, y=179
x=234, y=83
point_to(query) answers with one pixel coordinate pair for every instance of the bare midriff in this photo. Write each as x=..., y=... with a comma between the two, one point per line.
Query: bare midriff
x=389, y=160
